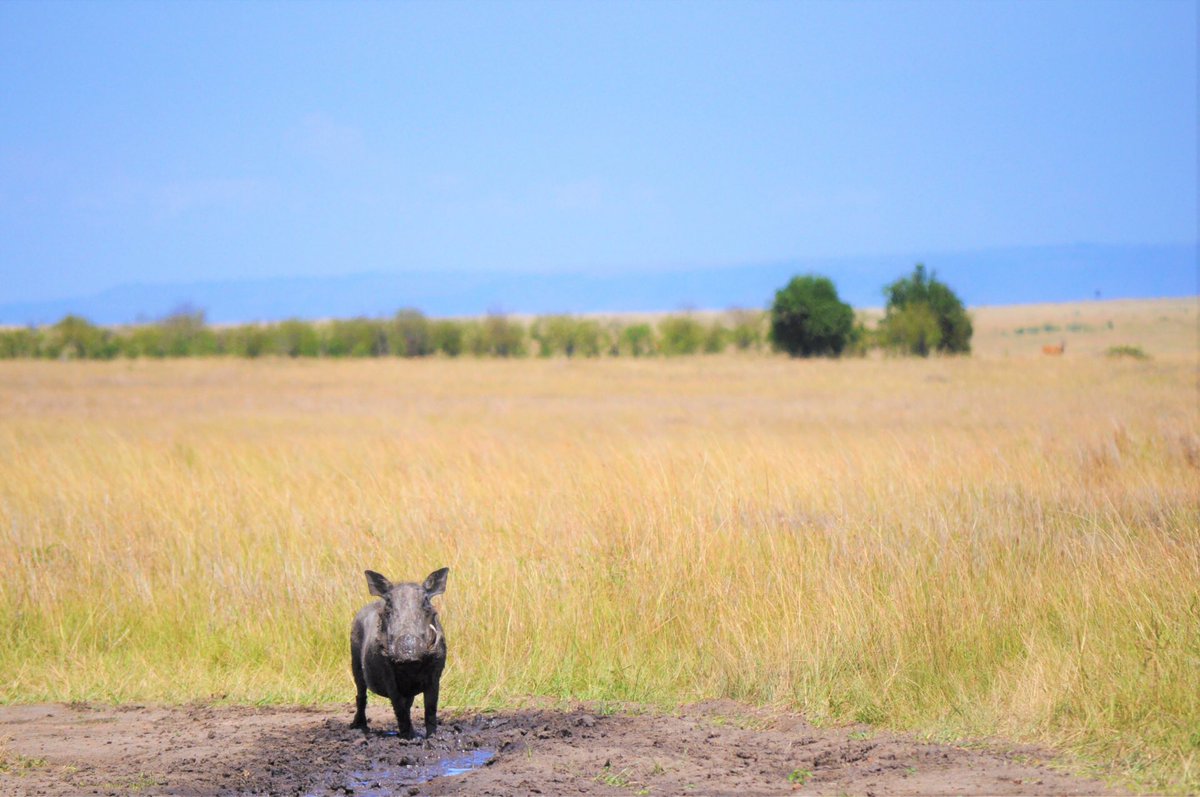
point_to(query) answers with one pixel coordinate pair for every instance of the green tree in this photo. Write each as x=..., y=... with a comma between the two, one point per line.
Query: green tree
x=907, y=328
x=809, y=320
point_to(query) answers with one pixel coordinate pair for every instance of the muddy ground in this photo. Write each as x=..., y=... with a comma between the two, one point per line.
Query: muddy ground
x=711, y=748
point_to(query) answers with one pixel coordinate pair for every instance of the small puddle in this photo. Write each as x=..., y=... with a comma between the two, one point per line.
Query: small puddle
x=386, y=779
x=459, y=765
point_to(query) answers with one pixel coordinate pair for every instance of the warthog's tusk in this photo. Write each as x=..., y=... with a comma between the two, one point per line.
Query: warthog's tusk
x=437, y=636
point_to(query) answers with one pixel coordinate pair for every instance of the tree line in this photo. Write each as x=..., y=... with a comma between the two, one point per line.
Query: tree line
x=408, y=333
x=806, y=319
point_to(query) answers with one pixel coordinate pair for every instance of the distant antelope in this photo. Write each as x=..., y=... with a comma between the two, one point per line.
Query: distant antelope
x=1054, y=351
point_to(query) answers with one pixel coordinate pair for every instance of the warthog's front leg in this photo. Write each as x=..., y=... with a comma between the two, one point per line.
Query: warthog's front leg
x=402, y=705
x=431, y=701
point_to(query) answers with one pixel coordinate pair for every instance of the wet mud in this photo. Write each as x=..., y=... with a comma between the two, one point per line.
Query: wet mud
x=713, y=748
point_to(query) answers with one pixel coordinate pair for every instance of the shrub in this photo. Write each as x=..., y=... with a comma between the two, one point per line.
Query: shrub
x=143, y=340
x=295, y=338
x=447, y=337
x=715, y=338
x=906, y=328
x=409, y=335
x=562, y=334
x=18, y=343
x=612, y=338
x=747, y=330
x=808, y=319
x=591, y=339
x=680, y=334
x=246, y=340
x=357, y=337
x=913, y=329
x=554, y=334
x=1126, y=350
x=183, y=334
x=861, y=339
x=637, y=340
x=75, y=337
x=495, y=336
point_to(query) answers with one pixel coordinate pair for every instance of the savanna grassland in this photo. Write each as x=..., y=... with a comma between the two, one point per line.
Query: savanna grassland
x=1005, y=545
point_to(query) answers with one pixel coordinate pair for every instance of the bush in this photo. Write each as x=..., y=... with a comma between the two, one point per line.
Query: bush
x=247, y=340
x=409, y=335
x=913, y=329
x=447, y=337
x=18, y=343
x=808, y=319
x=357, y=337
x=553, y=335
x=1126, y=350
x=184, y=334
x=75, y=337
x=916, y=301
x=295, y=338
x=861, y=340
x=495, y=336
x=143, y=340
x=591, y=339
x=747, y=331
x=636, y=340
x=680, y=334
x=715, y=338
x=562, y=334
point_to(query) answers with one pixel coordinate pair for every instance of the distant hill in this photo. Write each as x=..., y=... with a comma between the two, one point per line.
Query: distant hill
x=1014, y=275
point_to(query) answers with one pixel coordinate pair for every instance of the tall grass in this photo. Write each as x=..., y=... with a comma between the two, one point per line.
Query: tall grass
x=963, y=547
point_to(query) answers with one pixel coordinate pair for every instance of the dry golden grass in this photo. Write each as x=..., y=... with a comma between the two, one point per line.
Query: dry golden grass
x=997, y=545
x=1161, y=327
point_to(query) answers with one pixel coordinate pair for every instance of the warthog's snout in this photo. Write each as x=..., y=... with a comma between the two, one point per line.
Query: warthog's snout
x=410, y=648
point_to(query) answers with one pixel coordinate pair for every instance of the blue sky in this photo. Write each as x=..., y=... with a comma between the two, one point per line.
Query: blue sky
x=170, y=142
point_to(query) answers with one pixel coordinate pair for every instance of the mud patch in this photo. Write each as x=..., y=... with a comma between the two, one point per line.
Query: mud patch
x=714, y=748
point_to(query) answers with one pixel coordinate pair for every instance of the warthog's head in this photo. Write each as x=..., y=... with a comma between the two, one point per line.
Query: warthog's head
x=410, y=627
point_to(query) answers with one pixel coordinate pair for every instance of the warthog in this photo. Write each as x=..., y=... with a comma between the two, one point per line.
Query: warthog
x=397, y=648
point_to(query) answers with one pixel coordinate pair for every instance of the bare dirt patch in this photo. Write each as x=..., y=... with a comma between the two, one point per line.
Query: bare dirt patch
x=712, y=748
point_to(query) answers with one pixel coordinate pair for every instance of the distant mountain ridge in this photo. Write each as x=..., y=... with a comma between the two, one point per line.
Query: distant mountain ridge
x=1010, y=275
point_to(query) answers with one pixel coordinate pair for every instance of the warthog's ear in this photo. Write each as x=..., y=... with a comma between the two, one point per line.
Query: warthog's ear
x=436, y=583
x=378, y=584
